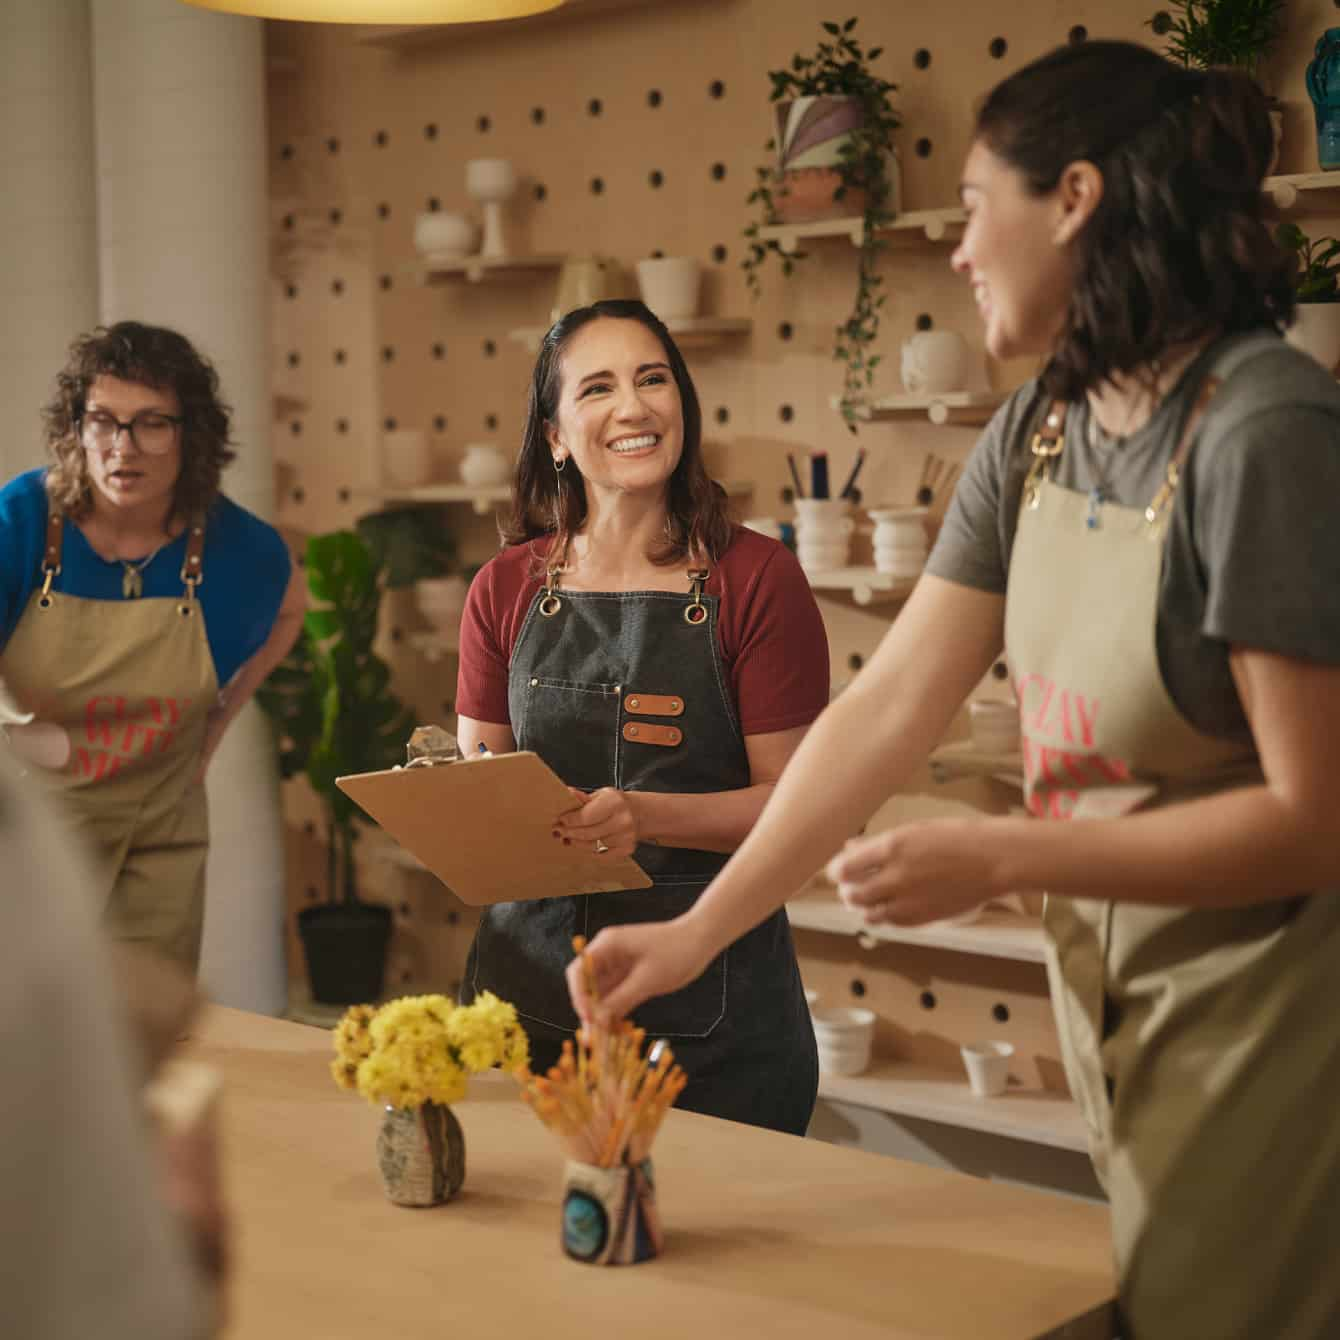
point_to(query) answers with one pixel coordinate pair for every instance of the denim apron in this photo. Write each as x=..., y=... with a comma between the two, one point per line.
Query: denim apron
x=1199, y=1042
x=131, y=682
x=627, y=690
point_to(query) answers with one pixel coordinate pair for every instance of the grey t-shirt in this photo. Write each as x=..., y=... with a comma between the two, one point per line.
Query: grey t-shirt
x=1252, y=554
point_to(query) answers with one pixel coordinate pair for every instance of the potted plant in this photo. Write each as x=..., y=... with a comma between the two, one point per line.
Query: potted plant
x=1237, y=33
x=413, y=546
x=333, y=712
x=1316, y=325
x=834, y=158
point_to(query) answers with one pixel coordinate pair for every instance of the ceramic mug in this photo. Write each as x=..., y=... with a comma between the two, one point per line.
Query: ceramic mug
x=934, y=361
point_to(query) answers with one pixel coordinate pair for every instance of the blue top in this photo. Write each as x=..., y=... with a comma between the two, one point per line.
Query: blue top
x=246, y=566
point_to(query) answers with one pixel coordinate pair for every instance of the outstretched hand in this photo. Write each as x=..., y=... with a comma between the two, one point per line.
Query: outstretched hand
x=917, y=872
x=630, y=964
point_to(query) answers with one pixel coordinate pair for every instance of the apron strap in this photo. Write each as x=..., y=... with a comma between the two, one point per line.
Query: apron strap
x=1173, y=474
x=1049, y=441
x=51, y=555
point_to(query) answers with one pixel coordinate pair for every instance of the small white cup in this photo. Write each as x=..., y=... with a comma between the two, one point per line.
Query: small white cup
x=407, y=459
x=845, y=1036
x=988, y=1066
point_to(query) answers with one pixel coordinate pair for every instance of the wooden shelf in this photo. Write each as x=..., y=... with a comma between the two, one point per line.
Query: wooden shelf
x=867, y=586
x=952, y=762
x=694, y=332
x=936, y=225
x=408, y=37
x=1284, y=191
x=995, y=934
x=438, y=269
x=971, y=408
x=1041, y=1116
x=482, y=500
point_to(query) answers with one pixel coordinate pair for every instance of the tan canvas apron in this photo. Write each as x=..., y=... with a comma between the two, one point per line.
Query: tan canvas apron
x=131, y=682
x=1193, y=1039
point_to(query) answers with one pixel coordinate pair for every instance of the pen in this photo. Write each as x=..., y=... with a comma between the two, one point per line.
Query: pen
x=818, y=474
x=795, y=475
x=851, y=478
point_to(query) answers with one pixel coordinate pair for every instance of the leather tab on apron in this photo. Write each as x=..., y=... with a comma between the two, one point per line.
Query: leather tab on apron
x=55, y=539
x=646, y=732
x=653, y=704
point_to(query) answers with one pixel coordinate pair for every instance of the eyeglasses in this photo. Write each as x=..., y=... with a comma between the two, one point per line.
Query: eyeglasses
x=152, y=432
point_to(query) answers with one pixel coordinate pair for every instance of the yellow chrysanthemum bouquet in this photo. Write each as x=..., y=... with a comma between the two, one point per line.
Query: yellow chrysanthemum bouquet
x=413, y=1056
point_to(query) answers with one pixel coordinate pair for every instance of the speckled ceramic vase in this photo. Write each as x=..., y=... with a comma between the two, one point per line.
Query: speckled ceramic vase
x=421, y=1155
x=609, y=1214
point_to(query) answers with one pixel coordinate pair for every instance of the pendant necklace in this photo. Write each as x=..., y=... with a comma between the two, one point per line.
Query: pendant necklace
x=1100, y=445
x=132, y=581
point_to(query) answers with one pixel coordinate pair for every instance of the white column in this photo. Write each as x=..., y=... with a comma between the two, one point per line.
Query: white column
x=48, y=246
x=179, y=97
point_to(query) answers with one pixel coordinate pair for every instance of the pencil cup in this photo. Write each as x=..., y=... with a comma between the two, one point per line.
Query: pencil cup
x=988, y=1066
x=823, y=533
x=609, y=1214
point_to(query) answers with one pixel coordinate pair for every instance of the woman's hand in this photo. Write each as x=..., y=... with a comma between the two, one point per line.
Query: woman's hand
x=630, y=964
x=916, y=872
x=605, y=822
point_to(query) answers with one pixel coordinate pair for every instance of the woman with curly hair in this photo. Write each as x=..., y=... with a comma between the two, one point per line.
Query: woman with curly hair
x=1146, y=529
x=665, y=663
x=139, y=610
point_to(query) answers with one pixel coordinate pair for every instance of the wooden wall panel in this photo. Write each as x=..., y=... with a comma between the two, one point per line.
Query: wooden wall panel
x=365, y=136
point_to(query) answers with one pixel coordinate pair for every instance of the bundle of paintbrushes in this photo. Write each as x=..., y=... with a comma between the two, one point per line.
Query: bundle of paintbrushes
x=604, y=1099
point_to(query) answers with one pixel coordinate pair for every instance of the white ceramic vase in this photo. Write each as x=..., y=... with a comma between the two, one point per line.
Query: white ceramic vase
x=483, y=465
x=407, y=460
x=669, y=285
x=491, y=181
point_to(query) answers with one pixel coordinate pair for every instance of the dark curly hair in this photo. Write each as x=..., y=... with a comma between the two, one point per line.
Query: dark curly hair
x=1178, y=247
x=545, y=502
x=152, y=356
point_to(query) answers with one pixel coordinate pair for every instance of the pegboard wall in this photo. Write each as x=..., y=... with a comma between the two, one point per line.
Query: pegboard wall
x=636, y=129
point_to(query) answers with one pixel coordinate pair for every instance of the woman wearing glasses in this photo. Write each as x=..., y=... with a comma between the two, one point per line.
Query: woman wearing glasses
x=139, y=610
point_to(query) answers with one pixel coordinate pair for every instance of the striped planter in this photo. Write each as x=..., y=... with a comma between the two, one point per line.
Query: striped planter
x=811, y=133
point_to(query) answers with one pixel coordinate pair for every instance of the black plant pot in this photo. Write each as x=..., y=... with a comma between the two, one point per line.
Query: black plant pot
x=345, y=947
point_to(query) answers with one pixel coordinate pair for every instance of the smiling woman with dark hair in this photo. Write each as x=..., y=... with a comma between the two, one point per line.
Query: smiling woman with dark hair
x=139, y=610
x=665, y=663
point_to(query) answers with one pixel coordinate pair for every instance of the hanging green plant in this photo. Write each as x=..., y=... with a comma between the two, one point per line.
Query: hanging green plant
x=834, y=157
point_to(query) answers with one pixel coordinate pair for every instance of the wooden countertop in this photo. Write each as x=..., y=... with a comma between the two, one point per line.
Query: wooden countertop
x=766, y=1234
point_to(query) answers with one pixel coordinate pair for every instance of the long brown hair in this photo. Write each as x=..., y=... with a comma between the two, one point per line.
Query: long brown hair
x=548, y=503
x=1178, y=247
x=151, y=356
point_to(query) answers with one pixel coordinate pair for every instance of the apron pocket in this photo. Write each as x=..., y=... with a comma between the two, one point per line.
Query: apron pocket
x=693, y=1011
x=574, y=728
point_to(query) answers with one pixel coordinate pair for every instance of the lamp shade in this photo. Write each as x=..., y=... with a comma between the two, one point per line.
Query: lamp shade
x=380, y=11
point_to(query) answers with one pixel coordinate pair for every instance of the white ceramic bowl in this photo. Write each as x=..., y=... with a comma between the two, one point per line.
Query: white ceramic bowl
x=441, y=234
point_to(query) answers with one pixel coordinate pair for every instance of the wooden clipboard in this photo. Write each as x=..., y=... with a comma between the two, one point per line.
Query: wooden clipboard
x=484, y=827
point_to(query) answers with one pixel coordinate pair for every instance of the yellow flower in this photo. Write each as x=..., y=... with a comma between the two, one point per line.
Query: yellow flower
x=418, y=1049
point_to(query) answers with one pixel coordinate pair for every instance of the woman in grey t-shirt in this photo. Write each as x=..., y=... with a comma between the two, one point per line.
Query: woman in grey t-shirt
x=1146, y=530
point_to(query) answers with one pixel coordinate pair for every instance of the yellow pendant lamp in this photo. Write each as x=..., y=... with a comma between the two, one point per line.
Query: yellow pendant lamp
x=381, y=11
